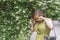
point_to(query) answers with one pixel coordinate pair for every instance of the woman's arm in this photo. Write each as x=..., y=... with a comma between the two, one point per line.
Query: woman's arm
x=48, y=22
x=32, y=25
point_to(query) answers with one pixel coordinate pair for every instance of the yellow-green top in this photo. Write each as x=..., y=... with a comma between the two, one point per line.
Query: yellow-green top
x=41, y=30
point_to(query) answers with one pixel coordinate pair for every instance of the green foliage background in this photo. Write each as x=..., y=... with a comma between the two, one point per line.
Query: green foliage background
x=15, y=16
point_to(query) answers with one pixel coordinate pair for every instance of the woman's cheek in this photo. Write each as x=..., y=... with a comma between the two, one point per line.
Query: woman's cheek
x=38, y=20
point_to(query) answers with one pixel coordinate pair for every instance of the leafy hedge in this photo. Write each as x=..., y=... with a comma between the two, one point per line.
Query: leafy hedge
x=15, y=16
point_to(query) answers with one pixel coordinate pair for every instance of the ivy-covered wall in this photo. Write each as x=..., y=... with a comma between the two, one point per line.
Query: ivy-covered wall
x=15, y=16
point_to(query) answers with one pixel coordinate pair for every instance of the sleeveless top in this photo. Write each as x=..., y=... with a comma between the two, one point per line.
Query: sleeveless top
x=41, y=30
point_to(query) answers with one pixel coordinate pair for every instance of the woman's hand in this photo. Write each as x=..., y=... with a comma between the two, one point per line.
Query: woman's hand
x=48, y=22
x=32, y=25
x=42, y=17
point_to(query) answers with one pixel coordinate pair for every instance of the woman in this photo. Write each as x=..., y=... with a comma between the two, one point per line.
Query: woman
x=41, y=24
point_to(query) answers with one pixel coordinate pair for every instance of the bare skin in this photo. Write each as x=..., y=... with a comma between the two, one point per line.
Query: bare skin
x=48, y=22
x=40, y=19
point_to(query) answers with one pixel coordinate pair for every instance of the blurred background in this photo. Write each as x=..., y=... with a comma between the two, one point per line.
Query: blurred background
x=15, y=16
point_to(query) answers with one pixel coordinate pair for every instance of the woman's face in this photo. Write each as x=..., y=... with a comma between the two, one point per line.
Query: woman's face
x=37, y=18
